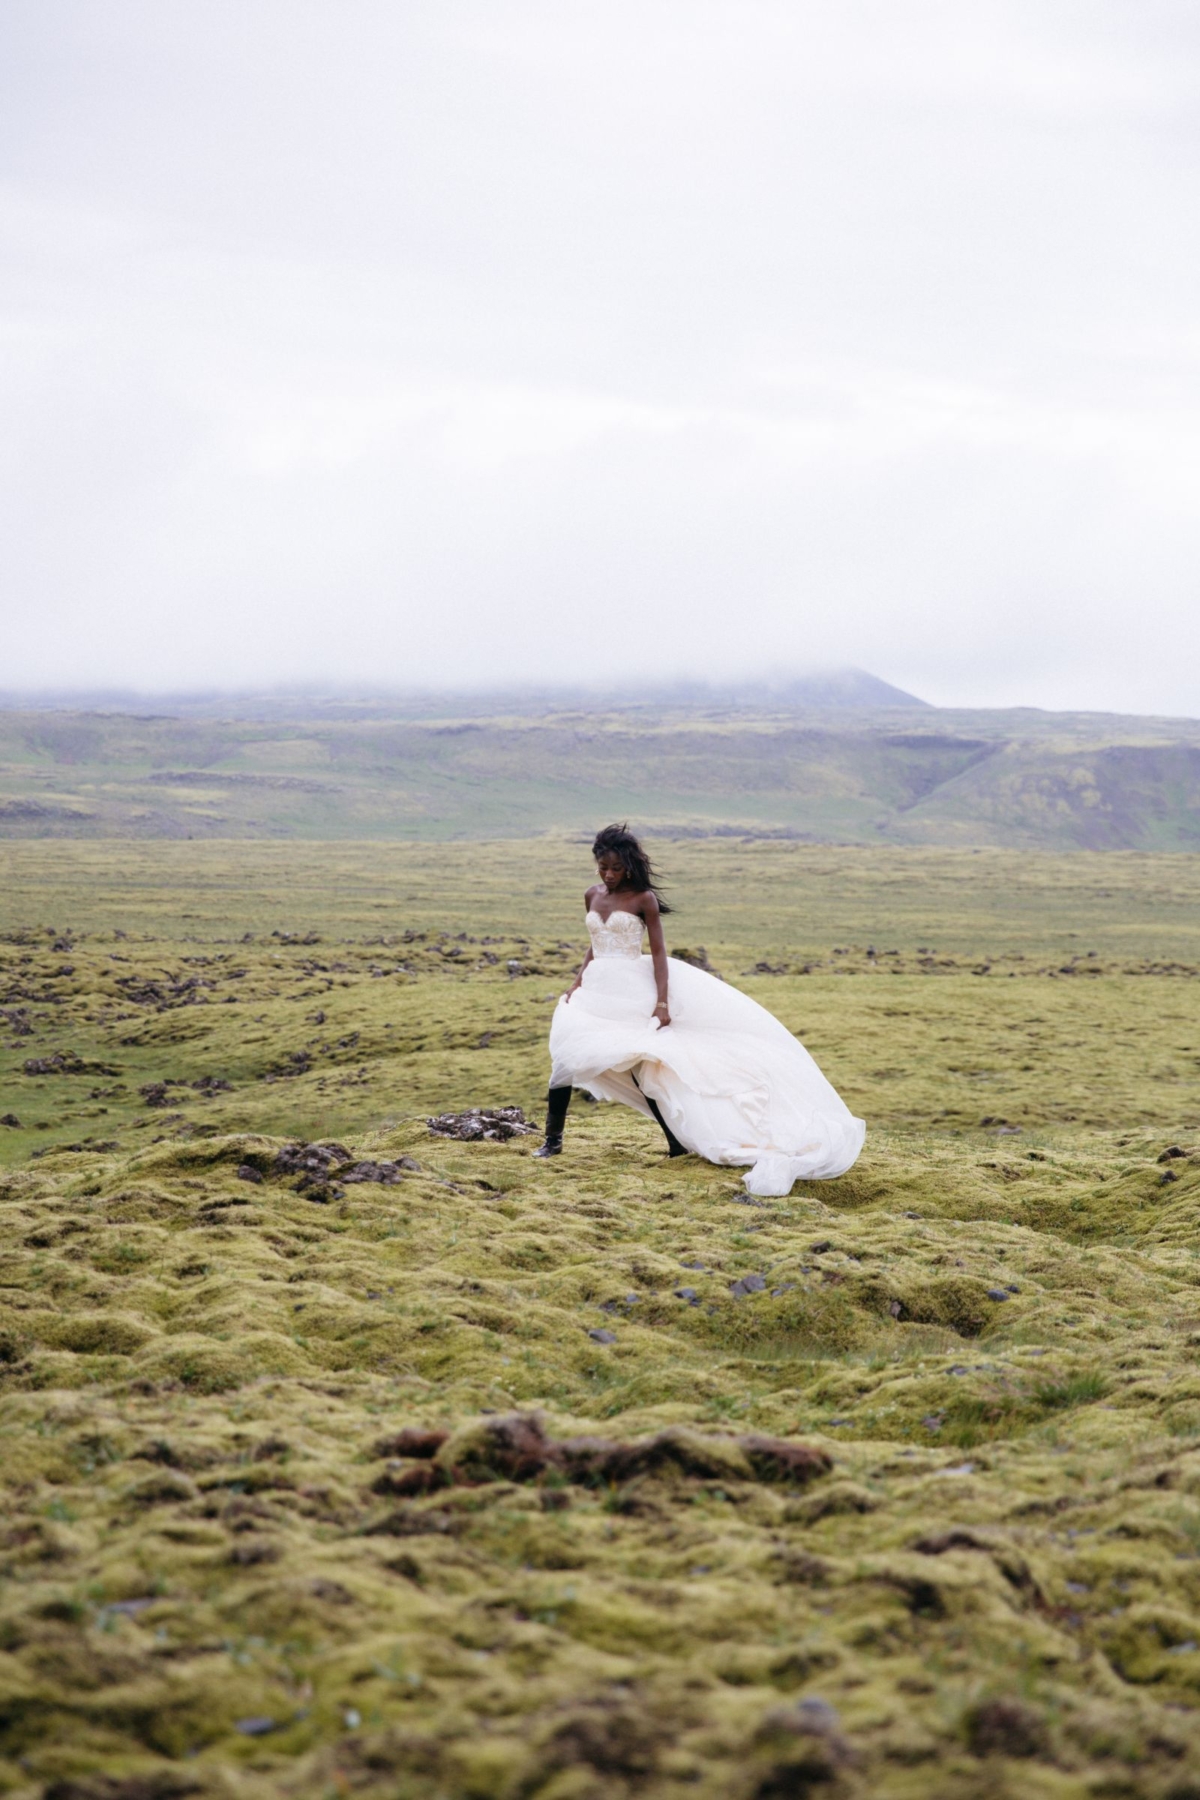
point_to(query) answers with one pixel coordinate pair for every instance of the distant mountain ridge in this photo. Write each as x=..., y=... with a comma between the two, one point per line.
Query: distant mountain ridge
x=813, y=769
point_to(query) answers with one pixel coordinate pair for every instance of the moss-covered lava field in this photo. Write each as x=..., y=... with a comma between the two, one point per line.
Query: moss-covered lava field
x=345, y=1459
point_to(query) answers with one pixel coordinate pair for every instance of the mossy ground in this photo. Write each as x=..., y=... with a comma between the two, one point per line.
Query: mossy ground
x=220, y=1580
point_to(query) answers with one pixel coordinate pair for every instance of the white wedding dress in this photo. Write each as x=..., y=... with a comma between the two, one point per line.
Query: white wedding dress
x=733, y=1083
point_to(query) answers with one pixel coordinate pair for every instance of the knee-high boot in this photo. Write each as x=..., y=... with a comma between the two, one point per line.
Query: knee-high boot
x=557, y=1101
x=674, y=1147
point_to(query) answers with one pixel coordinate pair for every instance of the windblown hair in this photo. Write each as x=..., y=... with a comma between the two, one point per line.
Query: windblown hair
x=619, y=841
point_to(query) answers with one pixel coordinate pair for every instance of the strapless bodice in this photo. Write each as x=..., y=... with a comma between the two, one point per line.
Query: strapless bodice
x=618, y=935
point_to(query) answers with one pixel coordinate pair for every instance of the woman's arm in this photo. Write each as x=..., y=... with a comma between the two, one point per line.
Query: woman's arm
x=579, y=978
x=658, y=951
x=587, y=902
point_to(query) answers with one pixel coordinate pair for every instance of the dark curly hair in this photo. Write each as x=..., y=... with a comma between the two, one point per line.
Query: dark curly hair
x=619, y=841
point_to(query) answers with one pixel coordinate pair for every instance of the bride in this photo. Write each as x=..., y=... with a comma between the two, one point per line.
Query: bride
x=722, y=1077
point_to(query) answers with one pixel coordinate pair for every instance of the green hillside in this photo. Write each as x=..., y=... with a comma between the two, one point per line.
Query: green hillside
x=900, y=775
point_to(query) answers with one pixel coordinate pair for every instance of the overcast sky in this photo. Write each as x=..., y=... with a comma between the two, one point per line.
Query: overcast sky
x=438, y=341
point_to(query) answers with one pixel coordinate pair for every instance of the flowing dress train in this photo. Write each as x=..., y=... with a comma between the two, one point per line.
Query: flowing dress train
x=733, y=1083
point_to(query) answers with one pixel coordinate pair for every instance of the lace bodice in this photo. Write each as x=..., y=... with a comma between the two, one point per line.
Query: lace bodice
x=618, y=935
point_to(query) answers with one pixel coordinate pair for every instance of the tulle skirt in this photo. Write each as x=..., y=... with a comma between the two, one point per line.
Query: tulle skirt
x=733, y=1083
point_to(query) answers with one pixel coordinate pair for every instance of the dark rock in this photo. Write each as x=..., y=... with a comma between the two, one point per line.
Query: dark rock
x=821, y=1248
x=11, y=1119
x=1166, y=1176
x=247, y=1172
x=412, y=1441
x=496, y=1123
x=695, y=1265
x=776, y=1459
x=517, y=1448
x=61, y=1063
x=998, y=1294
x=686, y=1293
x=600, y=1336
x=255, y=1727
x=1172, y=1154
x=697, y=959
x=748, y=1284
x=387, y=1174
x=155, y=1093
x=311, y=1160
x=320, y=1193
x=409, y=1479
x=211, y=1084
x=957, y=1537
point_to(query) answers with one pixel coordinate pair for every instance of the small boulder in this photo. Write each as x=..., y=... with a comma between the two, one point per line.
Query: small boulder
x=497, y=1124
x=747, y=1284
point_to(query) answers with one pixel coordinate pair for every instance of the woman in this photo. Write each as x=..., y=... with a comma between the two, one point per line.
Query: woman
x=722, y=1077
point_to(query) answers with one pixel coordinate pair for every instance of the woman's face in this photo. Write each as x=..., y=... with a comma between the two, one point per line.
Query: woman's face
x=611, y=870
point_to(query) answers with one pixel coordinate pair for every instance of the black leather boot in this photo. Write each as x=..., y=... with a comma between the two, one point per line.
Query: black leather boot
x=557, y=1101
x=674, y=1147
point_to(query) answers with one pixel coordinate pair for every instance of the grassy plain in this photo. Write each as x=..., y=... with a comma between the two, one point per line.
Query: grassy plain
x=221, y=1577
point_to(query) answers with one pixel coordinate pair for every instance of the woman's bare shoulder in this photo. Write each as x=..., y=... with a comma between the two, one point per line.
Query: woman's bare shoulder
x=647, y=904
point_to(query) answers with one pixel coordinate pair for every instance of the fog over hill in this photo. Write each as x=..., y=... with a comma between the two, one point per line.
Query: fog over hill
x=839, y=689
x=839, y=757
